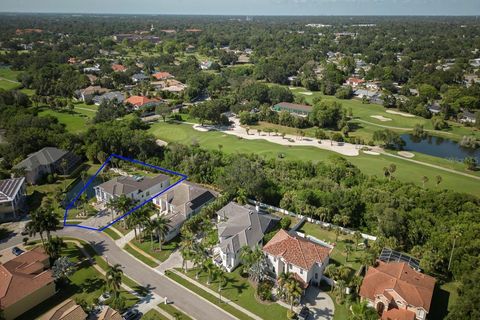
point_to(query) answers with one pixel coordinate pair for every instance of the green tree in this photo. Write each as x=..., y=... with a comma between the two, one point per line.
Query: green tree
x=114, y=279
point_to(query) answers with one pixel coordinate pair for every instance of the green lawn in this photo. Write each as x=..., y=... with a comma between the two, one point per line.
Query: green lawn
x=153, y=315
x=140, y=256
x=112, y=234
x=341, y=310
x=167, y=248
x=86, y=284
x=368, y=164
x=241, y=292
x=213, y=299
x=338, y=255
x=75, y=122
x=8, y=85
x=173, y=311
x=9, y=74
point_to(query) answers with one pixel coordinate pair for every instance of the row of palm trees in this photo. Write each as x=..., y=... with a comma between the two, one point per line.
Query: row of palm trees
x=289, y=288
x=140, y=220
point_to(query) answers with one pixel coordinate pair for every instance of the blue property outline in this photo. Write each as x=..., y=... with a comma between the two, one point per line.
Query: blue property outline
x=71, y=205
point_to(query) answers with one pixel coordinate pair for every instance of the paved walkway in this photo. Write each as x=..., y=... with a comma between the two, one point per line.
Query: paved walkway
x=319, y=302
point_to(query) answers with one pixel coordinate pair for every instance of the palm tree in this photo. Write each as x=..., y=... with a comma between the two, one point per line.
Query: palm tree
x=337, y=233
x=357, y=236
x=50, y=221
x=35, y=226
x=54, y=248
x=259, y=266
x=339, y=289
x=282, y=279
x=123, y=204
x=161, y=227
x=209, y=267
x=114, y=279
x=186, y=246
x=293, y=290
x=331, y=271
x=198, y=260
x=348, y=250
x=222, y=278
x=246, y=254
x=112, y=206
x=361, y=311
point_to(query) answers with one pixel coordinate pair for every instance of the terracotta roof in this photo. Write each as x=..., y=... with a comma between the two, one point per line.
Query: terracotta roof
x=139, y=101
x=398, y=314
x=414, y=287
x=109, y=314
x=22, y=276
x=67, y=310
x=162, y=75
x=355, y=80
x=118, y=67
x=296, y=250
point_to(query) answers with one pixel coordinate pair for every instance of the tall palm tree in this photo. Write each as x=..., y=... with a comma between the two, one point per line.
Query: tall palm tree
x=209, y=267
x=361, y=311
x=222, y=278
x=198, y=258
x=112, y=206
x=246, y=254
x=50, y=221
x=35, y=226
x=123, y=204
x=282, y=279
x=186, y=246
x=54, y=248
x=161, y=227
x=114, y=279
x=259, y=266
x=293, y=290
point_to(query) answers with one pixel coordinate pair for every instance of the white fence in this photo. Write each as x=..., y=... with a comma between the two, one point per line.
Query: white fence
x=309, y=219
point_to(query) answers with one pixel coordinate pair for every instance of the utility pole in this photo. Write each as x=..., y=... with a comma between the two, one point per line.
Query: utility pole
x=455, y=236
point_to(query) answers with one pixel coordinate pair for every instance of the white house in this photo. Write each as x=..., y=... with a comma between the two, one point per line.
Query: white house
x=298, y=255
x=12, y=198
x=182, y=202
x=136, y=188
x=239, y=226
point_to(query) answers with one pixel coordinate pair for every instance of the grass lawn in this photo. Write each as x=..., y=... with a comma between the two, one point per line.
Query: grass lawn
x=175, y=312
x=153, y=315
x=86, y=284
x=213, y=299
x=140, y=256
x=112, y=234
x=75, y=122
x=368, y=164
x=8, y=85
x=338, y=255
x=9, y=74
x=167, y=248
x=242, y=292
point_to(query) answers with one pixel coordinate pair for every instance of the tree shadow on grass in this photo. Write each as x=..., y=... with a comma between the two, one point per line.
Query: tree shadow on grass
x=439, y=308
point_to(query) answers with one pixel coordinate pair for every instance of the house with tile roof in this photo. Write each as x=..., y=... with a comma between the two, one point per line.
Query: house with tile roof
x=25, y=281
x=12, y=198
x=397, y=291
x=118, y=67
x=141, y=102
x=89, y=92
x=66, y=310
x=181, y=203
x=162, y=75
x=47, y=161
x=294, y=253
x=136, y=188
x=108, y=313
x=240, y=226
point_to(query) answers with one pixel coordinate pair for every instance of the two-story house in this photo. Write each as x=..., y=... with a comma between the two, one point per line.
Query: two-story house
x=397, y=291
x=299, y=255
x=12, y=198
x=136, y=188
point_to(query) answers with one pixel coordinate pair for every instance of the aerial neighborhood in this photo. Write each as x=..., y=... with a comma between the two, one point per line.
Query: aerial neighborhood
x=239, y=167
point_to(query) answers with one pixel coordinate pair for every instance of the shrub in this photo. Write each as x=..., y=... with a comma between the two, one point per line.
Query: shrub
x=291, y=314
x=264, y=290
x=285, y=223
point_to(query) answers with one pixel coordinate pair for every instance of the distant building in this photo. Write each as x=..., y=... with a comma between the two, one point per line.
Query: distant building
x=190, y=48
x=181, y=203
x=66, y=310
x=118, y=67
x=162, y=75
x=239, y=226
x=434, y=108
x=136, y=188
x=12, y=198
x=301, y=256
x=205, y=65
x=139, y=77
x=109, y=96
x=47, y=161
x=108, y=313
x=142, y=102
x=89, y=92
x=354, y=82
x=397, y=291
x=293, y=108
x=467, y=117
x=25, y=281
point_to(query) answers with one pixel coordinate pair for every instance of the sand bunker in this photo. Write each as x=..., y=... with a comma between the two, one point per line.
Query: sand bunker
x=161, y=143
x=306, y=93
x=381, y=118
x=403, y=114
x=373, y=153
x=201, y=128
x=406, y=154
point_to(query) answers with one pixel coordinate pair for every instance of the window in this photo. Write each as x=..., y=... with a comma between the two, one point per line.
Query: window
x=289, y=266
x=301, y=271
x=316, y=276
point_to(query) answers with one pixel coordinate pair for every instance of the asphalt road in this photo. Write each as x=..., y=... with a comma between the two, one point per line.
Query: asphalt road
x=144, y=275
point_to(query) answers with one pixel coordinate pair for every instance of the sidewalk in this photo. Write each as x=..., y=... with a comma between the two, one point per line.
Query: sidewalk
x=215, y=294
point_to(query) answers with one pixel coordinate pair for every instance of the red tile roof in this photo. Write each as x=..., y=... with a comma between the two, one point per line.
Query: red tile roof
x=296, y=250
x=139, y=101
x=398, y=314
x=162, y=75
x=355, y=80
x=118, y=67
x=414, y=287
x=22, y=276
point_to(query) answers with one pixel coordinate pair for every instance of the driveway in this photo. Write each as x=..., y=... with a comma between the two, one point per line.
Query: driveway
x=183, y=298
x=319, y=303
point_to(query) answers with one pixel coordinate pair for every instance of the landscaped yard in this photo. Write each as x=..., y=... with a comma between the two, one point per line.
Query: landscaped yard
x=176, y=313
x=75, y=121
x=167, y=248
x=140, y=256
x=242, y=292
x=368, y=164
x=153, y=315
x=86, y=284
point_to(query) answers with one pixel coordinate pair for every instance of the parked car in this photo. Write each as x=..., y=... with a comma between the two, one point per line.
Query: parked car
x=17, y=251
x=304, y=314
x=132, y=314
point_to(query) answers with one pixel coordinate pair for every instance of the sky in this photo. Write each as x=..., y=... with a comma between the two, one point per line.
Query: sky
x=249, y=7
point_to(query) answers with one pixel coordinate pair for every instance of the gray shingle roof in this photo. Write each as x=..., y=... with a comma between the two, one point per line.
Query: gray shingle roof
x=45, y=156
x=109, y=96
x=123, y=185
x=9, y=188
x=188, y=196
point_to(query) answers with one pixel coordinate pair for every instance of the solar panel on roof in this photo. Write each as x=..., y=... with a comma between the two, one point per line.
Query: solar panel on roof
x=389, y=255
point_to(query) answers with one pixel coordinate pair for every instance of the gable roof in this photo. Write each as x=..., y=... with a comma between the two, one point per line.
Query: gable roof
x=124, y=185
x=139, y=101
x=296, y=250
x=109, y=96
x=67, y=310
x=9, y=188
x=414, y=287
x=45, y=156
x=22, y=276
